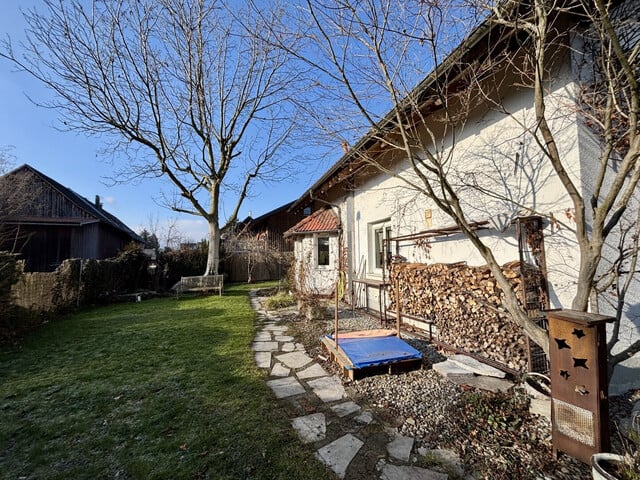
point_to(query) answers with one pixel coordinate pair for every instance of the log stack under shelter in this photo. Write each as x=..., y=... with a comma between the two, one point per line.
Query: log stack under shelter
x=465, y=305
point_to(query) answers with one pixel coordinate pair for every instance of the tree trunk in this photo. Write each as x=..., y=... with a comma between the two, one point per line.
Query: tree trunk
x=213, y=256
x=589, y=260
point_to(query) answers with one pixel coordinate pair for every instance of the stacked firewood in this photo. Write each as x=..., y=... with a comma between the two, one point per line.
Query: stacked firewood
x=465, y=305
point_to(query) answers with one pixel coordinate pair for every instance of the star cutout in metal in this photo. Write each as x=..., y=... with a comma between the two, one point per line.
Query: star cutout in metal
x=580, y=362
x=578, y=333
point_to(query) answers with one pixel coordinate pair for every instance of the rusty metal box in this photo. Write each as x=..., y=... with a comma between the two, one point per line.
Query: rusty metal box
x=579, y=399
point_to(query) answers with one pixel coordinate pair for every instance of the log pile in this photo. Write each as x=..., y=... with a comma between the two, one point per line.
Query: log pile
x=465, y=304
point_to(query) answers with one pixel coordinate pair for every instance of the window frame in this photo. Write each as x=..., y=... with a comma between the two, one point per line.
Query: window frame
x=378, y=233
x=317, y=239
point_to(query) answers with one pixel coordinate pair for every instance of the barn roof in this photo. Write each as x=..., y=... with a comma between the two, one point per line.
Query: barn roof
x=320, y=221
x=81, y=202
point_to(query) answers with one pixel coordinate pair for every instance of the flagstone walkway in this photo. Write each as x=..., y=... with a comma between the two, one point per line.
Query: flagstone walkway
x=340, y=430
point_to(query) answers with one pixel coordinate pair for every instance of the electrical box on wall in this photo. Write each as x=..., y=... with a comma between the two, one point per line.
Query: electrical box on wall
x=428, y=218
x=579, y=398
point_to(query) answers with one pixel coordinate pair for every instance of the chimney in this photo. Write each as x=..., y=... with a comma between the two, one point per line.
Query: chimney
x=97, y=202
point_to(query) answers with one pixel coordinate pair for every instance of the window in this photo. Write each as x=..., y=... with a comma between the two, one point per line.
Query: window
x=380, y=234
x=306, y=211
x=323, y=251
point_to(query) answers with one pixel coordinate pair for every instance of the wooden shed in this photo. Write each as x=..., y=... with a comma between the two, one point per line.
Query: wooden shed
x=47, y=222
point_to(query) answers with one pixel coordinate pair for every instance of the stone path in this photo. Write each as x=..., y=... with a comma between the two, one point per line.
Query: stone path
x=321, y=402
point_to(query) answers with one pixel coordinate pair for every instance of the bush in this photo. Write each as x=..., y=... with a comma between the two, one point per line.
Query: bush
x=126, y=273
x=10, y=272
x=184, y=262
x=280, y=300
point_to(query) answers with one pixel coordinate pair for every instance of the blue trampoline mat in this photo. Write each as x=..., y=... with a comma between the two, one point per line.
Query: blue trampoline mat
x=371, y=351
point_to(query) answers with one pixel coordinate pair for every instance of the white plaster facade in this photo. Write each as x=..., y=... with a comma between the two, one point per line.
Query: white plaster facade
x=504, y=160
x=312, y=276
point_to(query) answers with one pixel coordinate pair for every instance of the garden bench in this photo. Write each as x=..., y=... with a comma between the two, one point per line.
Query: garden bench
x=202, y=283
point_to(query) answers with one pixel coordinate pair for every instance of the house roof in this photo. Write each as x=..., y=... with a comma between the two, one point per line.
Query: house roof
x=320, y=221
x=91, y=208
x=268, y=214
x=452, y=67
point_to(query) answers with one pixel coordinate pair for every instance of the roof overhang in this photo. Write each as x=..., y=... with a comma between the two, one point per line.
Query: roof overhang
x=452, y=70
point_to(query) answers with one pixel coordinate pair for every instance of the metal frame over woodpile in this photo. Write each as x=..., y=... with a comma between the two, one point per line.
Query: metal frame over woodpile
x=534, y=290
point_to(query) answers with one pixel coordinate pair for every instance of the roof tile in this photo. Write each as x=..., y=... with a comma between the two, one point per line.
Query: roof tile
x=323, y=220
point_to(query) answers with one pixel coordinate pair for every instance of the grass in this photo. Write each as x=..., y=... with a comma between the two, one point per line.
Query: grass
x=160, y=389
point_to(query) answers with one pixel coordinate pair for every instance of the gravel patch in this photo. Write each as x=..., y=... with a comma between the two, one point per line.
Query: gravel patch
x=493, y=433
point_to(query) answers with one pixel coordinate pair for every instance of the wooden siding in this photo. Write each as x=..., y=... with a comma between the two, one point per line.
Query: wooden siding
x=49, y=202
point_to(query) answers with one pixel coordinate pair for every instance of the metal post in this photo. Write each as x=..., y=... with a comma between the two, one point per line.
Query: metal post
x=398, y=307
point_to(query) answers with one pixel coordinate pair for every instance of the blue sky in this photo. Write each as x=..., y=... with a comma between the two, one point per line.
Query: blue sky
x=75, y=161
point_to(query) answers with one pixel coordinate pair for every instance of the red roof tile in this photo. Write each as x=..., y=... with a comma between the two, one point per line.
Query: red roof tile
x=319, y=221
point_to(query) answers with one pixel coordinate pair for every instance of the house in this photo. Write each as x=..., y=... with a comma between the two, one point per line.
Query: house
x=47, y=223
x=512, y=196
x=317, y=252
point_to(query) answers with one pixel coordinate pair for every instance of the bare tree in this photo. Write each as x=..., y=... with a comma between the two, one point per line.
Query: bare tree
x=16, y=196
x=177, y=87
x=252, y=249
x=382, y=47
x=6, y=160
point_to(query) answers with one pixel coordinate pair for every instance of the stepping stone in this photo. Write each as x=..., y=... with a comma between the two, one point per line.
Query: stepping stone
x=329, y=389
x=287, y=347
x=476, y=366
x=310, y=428
x=295, y=359
x=299, y=347
x=400, y=448
x=263, y=337
x=285, y=387
x=393, y=472
x=538, y=406
x=444, y=456
x=491, y=384
x=263, y=359
x=365, y=417
x=277, y=329
x=313, y=371
x=338, y=454
x=451, y=370
x=346, y=408
x=265, y=346
x=280, y=370
x=284, y=338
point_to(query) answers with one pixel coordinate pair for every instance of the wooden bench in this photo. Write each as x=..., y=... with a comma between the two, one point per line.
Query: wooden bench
x=202, y=283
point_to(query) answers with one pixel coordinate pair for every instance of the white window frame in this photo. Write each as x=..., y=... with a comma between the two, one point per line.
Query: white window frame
x=375, y=228
x=316, y=251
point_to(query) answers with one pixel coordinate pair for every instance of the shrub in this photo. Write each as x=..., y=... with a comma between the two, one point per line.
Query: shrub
x=280, y=300
x=184, y=262
x=10, y=272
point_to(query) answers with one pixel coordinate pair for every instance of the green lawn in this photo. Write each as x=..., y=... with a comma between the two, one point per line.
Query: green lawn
x=160, y=389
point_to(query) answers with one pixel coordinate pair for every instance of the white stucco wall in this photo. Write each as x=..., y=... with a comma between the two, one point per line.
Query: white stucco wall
x=313, y=278
x=495, y=152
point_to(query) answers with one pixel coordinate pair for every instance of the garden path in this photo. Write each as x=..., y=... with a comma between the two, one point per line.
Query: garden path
x=346, y=437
